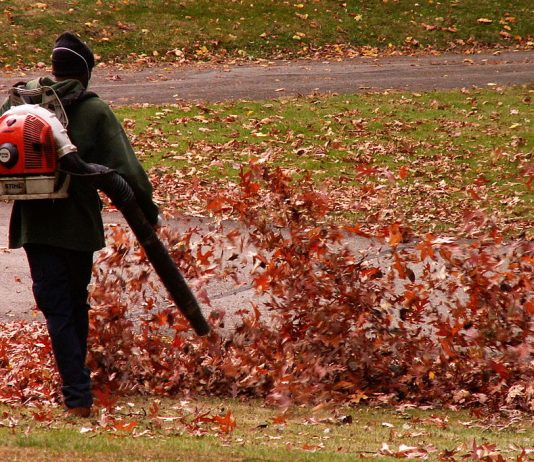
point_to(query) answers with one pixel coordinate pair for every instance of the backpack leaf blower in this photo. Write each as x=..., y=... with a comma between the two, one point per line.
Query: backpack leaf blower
x=37, y=159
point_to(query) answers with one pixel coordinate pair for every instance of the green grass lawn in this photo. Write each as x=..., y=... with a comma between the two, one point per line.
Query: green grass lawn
x=171, y=430
x=198, y=29
x=422, y=158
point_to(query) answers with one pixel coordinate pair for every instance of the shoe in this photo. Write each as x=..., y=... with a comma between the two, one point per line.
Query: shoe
x=83, y=412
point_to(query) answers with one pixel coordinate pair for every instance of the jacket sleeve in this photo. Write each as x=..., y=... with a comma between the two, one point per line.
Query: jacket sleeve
x=116, y=152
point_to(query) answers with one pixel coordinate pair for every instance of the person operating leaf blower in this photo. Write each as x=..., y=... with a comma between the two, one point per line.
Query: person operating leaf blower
x=60, y=236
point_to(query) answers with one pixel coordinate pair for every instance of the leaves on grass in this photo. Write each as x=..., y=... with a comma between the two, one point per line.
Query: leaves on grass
x=456, y=164
x=226, y=32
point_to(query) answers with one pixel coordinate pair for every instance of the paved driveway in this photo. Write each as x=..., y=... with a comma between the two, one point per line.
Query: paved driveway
x=164, y=84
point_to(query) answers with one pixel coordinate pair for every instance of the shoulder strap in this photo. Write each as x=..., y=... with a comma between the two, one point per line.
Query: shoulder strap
x=44, y=96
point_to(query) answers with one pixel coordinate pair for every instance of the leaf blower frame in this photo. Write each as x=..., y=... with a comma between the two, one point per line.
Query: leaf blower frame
x=28, y=157
x=53, y=135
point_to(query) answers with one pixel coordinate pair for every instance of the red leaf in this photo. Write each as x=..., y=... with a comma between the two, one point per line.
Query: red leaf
x=262, y=282
x=399, y=266
x=104, y=398
x=280, y=419
x=226, y=423
x=215, y=205
x=500, y=369
x=403, y=173
x=42, y=416
x=125, y=426
x=473, y=194
x=395, y=235
x=356, y=229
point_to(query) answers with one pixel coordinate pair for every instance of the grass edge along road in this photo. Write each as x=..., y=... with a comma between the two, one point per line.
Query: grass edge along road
x=168, y=430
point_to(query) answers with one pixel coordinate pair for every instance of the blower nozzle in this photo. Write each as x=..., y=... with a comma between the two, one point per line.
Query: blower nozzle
x=122, y=197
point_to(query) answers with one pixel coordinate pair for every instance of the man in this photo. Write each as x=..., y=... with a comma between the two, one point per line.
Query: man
x=60, y=236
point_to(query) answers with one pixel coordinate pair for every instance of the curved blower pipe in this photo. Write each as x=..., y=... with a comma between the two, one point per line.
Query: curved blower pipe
x=122, y=197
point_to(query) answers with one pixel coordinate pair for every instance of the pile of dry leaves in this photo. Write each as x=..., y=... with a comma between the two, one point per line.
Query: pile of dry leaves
x=396, y=318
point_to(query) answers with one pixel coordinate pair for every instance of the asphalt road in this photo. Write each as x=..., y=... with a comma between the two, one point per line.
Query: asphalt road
x=258, y=81
x=164, y=84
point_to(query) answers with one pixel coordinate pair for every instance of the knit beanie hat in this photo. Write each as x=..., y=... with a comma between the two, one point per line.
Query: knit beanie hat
x=71, y=56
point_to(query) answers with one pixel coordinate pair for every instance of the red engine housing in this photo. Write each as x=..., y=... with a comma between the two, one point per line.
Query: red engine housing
x=26, y=146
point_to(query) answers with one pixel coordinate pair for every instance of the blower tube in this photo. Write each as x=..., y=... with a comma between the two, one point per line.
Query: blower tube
x=122, y=196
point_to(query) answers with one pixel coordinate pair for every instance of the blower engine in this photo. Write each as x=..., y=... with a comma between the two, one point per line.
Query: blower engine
x=28, y=155
x=37, y=159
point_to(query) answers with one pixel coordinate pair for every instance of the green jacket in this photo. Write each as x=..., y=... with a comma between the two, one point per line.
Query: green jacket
x=76, y=222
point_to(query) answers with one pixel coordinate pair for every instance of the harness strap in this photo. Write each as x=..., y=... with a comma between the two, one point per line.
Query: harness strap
x=49, y=99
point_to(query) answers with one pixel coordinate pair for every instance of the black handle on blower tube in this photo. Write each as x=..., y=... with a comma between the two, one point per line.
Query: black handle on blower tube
x=122, y=196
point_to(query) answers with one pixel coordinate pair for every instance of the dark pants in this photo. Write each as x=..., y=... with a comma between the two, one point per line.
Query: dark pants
x=60, y=279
